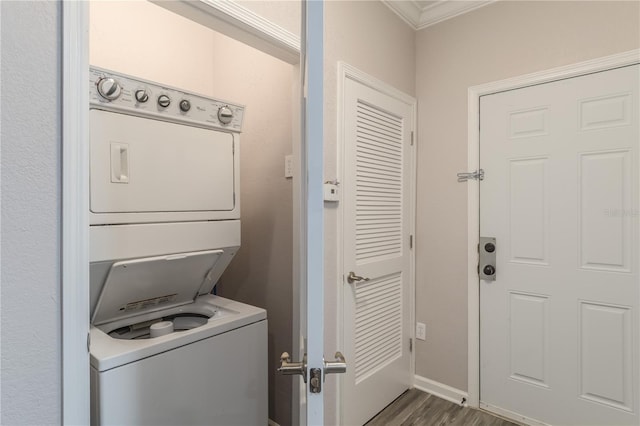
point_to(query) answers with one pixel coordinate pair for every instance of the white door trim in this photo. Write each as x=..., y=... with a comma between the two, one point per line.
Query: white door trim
x=346, y=71
x=241, y=24
x=75, y=213
x=473, y=192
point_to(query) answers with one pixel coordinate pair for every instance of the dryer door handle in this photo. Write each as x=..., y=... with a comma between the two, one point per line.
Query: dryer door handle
x=119, y=163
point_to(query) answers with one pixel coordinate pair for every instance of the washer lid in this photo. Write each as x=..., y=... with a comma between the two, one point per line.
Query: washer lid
x=135, y=287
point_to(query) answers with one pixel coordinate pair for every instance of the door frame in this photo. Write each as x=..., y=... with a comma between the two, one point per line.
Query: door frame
x=75, y=214
x=349, y=72
x=234, y=20
x=473, y=192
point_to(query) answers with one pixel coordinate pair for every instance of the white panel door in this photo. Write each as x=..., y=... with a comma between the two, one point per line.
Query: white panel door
x=559, y=326
x=376, y=230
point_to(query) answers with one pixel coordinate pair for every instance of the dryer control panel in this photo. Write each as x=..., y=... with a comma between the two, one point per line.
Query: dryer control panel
x=119, y=92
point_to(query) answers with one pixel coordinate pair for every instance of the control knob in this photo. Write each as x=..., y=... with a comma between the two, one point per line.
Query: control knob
x=142, y=96
x=164, y=101
x=185, y=105
x=109, y=88
x=225, y=114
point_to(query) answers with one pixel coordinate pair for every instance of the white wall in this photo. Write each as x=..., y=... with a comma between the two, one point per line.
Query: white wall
x=154, y=43
x=502, y=40
x=30, y=223
x=285, y=13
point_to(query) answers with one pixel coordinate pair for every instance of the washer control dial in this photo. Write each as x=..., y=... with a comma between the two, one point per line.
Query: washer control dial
x=185, y=105
x=225, y=114
x=109, y=88
x=164, y=101
x=142, y=96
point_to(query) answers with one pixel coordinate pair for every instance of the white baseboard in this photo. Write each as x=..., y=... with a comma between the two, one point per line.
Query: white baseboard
x=272, y=423
x=440, y=390
x=510, y=415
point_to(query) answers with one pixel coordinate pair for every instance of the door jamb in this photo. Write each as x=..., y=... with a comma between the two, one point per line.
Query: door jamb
x=345, y=72
x=473, y=193
x=75, y=214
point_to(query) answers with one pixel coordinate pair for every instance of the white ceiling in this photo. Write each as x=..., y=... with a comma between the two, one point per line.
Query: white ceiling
x=420, y=14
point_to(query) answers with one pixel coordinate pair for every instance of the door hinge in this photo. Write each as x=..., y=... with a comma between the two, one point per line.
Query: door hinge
x=411, y=138
x=88, y=342
x=410, y=241
x=410, y=344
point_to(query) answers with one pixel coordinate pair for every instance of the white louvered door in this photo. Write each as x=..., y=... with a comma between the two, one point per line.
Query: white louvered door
x=376, y=202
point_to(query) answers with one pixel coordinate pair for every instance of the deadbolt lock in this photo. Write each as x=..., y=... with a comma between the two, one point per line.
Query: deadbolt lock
x=487, y=255
x=489, y=270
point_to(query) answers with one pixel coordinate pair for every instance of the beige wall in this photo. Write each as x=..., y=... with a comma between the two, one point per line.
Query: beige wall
x=153, y=43
x=383, y=46
x=503, y=40
x=285, y=13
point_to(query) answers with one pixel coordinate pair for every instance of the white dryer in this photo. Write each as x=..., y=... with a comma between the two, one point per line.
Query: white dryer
x=164, y=226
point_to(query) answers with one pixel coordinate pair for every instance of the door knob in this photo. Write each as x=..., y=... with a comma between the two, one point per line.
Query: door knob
x=338, y=366
x=352, y=278
x=289, y=368
x=317, y=377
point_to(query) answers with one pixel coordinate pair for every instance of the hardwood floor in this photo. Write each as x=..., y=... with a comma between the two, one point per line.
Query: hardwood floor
x=418, y=408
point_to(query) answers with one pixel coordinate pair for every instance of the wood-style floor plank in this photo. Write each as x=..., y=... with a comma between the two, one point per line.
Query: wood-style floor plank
x=417, y=408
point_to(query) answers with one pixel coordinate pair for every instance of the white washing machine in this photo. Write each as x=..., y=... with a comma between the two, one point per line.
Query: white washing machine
x=165, y=223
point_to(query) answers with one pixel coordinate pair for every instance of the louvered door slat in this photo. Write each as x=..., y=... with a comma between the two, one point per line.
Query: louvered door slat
x=375, y=161
x=379, y=176
x=378, y=324
x=375, y=134
x=374, y=113
x=376, y=146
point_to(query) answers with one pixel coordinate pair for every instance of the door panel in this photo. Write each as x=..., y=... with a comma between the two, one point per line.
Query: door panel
x=376, y=230
x=142, y=165
x=559, y=326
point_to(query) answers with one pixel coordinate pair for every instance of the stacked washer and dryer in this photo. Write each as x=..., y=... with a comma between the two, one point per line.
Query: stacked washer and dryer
x=165, y=223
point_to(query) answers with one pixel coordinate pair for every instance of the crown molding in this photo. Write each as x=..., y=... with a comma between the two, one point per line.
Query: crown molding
x=444, y=10
x=408, y=10
x=418, y=17
x=236, y=21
